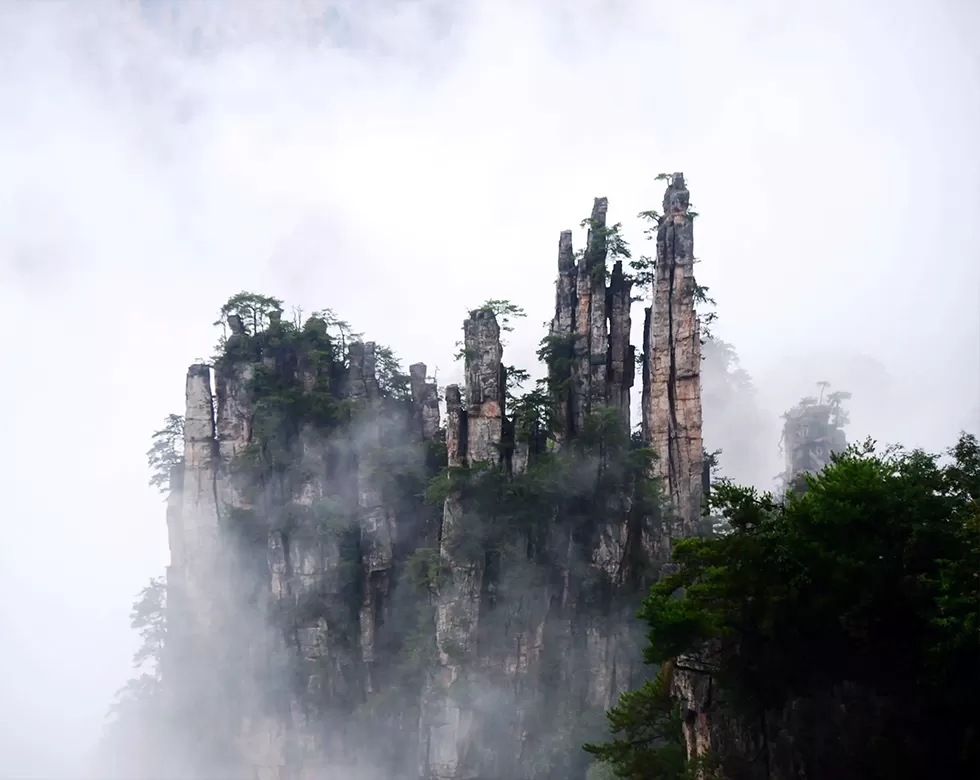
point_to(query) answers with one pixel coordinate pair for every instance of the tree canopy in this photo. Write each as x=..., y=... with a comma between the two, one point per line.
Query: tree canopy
x=869, y=578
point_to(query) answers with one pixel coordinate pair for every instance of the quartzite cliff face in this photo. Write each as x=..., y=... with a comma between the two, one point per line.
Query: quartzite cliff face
x=292, y=538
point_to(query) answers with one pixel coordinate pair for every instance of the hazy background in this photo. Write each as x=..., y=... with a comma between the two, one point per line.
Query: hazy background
x=403, y=161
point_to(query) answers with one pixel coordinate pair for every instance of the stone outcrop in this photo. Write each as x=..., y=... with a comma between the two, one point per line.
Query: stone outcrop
x=425, y=397
x=591, y=329
x=474, y=427
x=593, y=368
x=200, y=588
x=671, y=423
x=194, y=531
x=672, y=376
x=300, y=645
x=778, y=744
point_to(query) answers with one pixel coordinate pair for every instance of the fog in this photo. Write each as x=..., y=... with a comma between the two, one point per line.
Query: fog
x=401, y=162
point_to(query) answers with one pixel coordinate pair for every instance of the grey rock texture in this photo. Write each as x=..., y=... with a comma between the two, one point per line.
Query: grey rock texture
x=671, y=422
x=474, y=422
x=672, y=418
x=425, y=396
x=591, y=327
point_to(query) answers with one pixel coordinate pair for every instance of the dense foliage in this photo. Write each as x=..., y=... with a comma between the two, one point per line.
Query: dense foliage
x=868, y=579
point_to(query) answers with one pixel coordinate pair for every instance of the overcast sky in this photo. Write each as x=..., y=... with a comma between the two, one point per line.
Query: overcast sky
x=409, y=160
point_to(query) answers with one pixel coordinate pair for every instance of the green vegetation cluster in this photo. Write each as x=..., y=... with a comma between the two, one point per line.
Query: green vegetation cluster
x=867, y=581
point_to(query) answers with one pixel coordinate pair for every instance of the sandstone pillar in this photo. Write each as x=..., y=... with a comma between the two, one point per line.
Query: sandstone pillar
x=673, y=349
x=473, y=437
x=591, y=329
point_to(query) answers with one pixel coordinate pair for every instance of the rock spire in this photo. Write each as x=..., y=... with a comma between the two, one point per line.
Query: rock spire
x=672, y=372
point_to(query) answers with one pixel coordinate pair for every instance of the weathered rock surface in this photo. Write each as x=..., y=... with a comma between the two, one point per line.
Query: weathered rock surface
x=474, y=422
x=673, y=349
x=425, y=396
x=671, y=422
x=591, y=328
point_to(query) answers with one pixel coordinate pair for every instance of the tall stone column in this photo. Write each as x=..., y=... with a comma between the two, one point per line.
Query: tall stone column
x=199, y=592
x=425, y=401
x=474, y=426
x=672, y=425
x=198, y=513
x=622, y=355
x=376, y=523
x=672, y=380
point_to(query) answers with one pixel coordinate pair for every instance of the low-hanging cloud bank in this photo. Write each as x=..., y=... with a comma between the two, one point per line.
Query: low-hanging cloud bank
x=403, y=161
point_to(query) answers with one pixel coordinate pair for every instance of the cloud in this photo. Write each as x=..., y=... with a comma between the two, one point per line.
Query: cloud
x=401, y=162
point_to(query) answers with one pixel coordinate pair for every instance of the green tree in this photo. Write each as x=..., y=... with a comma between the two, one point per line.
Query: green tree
x=255, y=311
x=149, y=618
x=869, y=578
x=134, y=743
x=504, y=311
x=616, y=245
x=167, y=452
x=648, y=742
x=390, y=375
x=340, y=331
